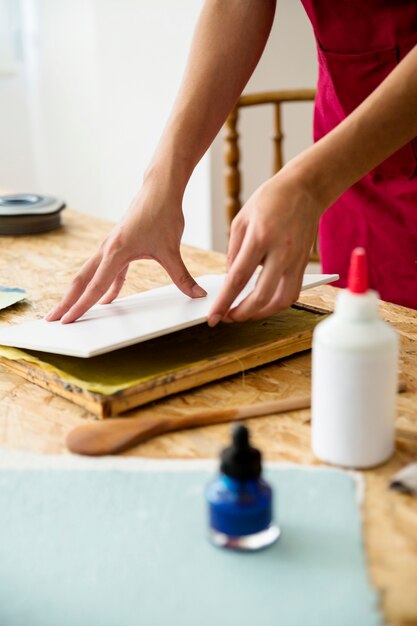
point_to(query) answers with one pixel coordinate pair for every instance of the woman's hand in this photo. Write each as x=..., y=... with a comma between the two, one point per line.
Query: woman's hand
x=152, y=229
x=275, y=229
x=228, y=42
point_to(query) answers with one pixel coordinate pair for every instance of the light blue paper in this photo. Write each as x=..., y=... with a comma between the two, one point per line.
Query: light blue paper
x=10, y=295
x=129, y=548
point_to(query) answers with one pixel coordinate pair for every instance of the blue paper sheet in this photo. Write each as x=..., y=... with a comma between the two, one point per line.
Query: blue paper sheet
x=129, y=548
x=10, y=295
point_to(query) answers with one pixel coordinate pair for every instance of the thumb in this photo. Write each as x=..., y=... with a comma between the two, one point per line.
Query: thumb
x=182, y=278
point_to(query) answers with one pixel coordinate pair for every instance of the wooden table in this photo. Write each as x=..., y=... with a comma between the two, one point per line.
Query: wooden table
x=33, y=419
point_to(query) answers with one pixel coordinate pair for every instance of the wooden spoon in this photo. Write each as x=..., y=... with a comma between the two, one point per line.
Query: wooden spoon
x=116, y=435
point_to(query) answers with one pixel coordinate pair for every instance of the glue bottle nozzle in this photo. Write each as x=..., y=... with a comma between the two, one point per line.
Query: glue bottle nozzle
x=358, y=272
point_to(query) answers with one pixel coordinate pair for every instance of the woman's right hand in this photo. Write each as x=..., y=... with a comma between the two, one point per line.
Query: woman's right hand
x=151, y=229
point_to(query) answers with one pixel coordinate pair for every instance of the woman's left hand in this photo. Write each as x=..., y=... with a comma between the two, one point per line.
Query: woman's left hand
x=274, y=229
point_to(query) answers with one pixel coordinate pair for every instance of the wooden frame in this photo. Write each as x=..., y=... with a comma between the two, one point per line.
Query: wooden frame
x=239, y=348
x=231, y=145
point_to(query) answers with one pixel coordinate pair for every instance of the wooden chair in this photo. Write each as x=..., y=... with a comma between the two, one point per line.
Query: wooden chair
x=231, y=145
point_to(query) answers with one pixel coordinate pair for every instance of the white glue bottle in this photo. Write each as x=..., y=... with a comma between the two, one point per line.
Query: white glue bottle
x=354, y=377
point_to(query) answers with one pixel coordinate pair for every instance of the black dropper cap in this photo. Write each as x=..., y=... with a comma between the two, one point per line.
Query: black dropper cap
x=240, y=460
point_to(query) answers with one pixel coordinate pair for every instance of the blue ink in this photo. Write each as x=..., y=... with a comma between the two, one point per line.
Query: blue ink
x=240, y=500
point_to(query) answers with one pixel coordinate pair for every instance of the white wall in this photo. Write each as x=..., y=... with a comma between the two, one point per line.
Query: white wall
x=83, y=112
x=16, y=151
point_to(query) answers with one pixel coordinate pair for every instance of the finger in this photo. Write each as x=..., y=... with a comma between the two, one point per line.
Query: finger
x=182, y=278
x=237, y=235
x=287, y=293
x=97, y=287
x=115, y=288
x=246, y=262
x=77, y=287
x=266, y=286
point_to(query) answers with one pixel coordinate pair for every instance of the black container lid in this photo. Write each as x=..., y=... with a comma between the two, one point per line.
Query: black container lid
x=240, y=460
x=28, y=214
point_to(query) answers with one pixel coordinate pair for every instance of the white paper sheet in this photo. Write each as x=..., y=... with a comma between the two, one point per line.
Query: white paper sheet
x=130, y=320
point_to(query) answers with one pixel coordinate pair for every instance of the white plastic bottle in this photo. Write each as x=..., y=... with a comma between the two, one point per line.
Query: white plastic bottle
x=354, y=377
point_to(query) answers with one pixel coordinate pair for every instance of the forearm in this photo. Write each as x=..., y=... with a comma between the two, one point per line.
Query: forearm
x=228, y=41
x=382, y=124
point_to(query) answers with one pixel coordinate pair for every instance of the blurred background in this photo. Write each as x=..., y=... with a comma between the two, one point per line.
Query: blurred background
x=86, y=87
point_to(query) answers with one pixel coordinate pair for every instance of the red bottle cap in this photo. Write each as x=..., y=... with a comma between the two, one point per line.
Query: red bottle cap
x=358, y=272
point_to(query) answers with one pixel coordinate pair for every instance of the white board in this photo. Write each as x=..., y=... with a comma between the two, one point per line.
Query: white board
x=130, y=320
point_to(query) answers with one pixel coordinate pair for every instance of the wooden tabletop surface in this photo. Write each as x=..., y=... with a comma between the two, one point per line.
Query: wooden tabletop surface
x=33, y=419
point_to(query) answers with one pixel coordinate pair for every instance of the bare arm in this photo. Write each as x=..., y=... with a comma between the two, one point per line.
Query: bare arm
x=229, y=39
x=276, y=227
x=382, y=124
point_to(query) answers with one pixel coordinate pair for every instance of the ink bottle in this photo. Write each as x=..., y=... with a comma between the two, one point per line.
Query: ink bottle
x=240, y=500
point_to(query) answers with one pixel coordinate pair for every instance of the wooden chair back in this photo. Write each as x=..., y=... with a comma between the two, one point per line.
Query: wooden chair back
x=231, y=144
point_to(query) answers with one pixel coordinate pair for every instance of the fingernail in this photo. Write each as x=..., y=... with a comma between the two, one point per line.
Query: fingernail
x=198, y=292
x=50, y=315
x=65, y=319
x=214, y=319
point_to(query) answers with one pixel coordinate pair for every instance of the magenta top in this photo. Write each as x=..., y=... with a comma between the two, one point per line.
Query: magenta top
x=359, y=43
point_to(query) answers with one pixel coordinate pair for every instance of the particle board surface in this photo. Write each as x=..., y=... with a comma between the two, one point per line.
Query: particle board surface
x=36, y=420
